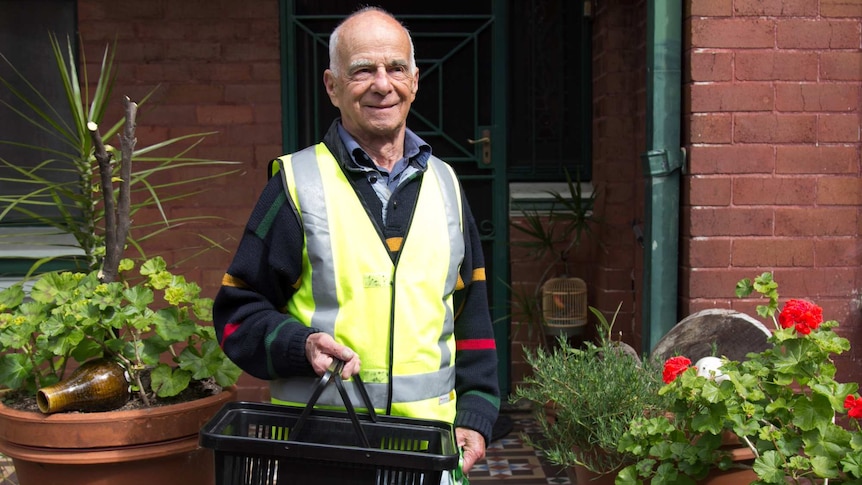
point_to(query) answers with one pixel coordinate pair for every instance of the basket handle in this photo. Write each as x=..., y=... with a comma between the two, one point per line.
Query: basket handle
x=334, y=373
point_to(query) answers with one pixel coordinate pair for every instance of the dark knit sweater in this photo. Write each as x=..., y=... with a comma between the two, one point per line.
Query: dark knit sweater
x=249, y=313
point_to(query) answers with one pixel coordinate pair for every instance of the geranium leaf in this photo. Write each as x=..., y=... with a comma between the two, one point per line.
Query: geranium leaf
x=768, y=467
x=712, y=393
x=745, y=385
x=126, y=264
x=711, y=422
x=169, y=326
x=167, y=382
x=14, y=369
x=86, y=350
x=824, y=467
x=153, y=266
x=743, y=288
x=852, y=463
x=666, y=474
x=139, y=296
x=151, y=349
x=628, y=476
x=11, y=297
x=809, y=413
x=831, y=441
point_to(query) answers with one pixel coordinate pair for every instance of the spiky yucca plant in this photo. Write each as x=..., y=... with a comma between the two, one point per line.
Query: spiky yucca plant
x=81, y=200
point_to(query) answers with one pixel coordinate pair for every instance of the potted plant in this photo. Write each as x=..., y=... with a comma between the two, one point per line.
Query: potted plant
x=591, y=394
x=550, y=240
x=151, y=321
x=784, y=404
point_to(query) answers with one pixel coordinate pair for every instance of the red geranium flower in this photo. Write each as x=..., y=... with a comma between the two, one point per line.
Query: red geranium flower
x=674, y=367
x=854, y=406
x=802, y=314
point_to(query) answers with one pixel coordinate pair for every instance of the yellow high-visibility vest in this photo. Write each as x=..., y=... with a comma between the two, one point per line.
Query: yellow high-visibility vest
x=397, y=316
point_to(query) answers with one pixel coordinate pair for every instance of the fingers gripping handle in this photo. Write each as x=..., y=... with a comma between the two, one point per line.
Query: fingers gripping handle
x=334, y=374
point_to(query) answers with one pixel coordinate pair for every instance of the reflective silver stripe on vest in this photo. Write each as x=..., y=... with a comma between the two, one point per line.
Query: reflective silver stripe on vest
x=409, y=388
x=429, y=386
x=450, y=195
x=306, y=172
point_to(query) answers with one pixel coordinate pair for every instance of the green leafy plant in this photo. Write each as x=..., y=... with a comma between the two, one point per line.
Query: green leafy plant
x=592, y=393
x=151, y=323
x=76, y=317
x=550, y=238
x=783, y=403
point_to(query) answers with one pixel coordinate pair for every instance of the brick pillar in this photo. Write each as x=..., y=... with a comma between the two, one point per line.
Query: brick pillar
x=618, y=140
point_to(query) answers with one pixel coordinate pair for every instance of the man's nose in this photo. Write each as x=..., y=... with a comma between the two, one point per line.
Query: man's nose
x=381, y=82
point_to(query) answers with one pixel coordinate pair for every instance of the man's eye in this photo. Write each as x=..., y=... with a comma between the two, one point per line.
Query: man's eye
x=361, y=73
x=398, y=70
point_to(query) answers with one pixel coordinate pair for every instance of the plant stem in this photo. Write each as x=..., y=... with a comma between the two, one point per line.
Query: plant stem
x=117, y=220
x=751, y=446
x=127, y=144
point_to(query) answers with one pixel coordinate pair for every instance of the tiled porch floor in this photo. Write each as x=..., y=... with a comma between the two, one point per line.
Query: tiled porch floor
x=7, y=472
x=508, y=460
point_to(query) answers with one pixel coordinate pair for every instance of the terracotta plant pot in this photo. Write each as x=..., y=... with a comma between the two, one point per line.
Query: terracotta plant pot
x=580, y=475
x=729, y=477
x=141, y=447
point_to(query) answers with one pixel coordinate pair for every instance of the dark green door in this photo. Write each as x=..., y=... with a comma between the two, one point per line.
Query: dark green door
x=460, y=108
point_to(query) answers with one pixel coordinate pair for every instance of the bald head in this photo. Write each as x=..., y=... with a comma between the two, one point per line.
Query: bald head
x=363, y=18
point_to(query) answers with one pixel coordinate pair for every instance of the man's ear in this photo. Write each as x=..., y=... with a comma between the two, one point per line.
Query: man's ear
x=415, y=81
x=329, y=83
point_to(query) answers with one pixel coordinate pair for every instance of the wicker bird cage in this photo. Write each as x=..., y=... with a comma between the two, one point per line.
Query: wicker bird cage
x=564, y=306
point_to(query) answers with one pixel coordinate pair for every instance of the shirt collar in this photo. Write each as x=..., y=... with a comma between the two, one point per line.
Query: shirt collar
x=415, y=149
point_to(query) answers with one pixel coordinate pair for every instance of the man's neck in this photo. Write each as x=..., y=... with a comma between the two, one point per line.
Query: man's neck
x=384, y=151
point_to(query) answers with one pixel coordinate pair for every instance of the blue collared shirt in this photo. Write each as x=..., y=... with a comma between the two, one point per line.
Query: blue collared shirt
x=384, y=182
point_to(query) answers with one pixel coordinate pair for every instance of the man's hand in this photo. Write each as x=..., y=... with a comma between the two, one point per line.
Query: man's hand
x=321, y=349
x=473, y=444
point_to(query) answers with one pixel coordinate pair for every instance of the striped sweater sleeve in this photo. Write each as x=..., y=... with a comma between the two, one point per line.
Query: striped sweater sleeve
x=475, y=350
x=248, y=311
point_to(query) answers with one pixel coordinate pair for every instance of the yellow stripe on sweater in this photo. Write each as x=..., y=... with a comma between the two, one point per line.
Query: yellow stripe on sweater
x=230, y=280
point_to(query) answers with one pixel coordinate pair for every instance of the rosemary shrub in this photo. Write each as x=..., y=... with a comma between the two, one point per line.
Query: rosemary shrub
x=592, y=393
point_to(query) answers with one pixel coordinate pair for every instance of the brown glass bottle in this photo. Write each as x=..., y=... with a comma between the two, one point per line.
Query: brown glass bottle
x=97, y=385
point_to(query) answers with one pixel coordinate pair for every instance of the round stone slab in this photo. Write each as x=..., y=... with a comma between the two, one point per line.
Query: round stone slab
x=732, y=334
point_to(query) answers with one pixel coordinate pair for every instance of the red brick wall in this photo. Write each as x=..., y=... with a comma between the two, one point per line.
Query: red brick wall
x=216, y=65
x=619, y=84
x=772, y=111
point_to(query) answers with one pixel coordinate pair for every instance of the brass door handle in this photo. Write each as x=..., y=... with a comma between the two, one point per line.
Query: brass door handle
x=486, y=145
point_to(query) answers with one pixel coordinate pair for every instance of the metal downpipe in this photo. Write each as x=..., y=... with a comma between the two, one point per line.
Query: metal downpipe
x=662, y=164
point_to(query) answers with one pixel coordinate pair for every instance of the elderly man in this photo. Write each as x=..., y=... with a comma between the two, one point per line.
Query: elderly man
x=362, y=248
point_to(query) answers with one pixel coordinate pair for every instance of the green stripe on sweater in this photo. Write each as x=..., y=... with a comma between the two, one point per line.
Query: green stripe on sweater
x=495, y=401
x=265, y=224
x=270, y=338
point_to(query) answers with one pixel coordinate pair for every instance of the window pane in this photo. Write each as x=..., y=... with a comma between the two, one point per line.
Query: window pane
x=550, y=91
x=24, y=29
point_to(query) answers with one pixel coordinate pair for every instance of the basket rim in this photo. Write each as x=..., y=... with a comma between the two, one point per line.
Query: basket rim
x=236, y=413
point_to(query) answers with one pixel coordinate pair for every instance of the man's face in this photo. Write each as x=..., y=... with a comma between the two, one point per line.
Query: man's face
x=374, y=86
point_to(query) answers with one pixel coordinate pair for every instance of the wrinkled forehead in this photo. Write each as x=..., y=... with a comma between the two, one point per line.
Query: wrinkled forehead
x=376, y=40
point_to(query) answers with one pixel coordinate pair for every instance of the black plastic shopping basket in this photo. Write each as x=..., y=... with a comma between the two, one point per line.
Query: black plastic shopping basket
x=267, y=444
